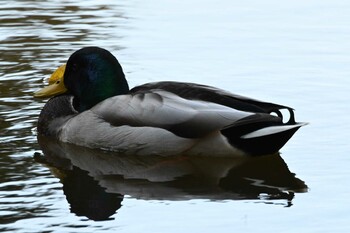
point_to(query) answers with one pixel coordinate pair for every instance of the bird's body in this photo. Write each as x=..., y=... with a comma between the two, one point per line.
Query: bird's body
x=163, y=118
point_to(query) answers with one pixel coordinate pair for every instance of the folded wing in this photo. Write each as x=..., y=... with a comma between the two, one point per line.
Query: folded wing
x=163, y=109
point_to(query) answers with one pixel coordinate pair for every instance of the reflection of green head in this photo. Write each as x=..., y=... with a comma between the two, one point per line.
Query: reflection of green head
x=87, y=198
x=92, y=75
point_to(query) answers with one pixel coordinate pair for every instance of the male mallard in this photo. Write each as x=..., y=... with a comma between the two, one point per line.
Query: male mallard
x=94, y=107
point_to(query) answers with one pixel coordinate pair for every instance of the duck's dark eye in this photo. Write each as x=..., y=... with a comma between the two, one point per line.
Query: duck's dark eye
x=58, y=82
x=74, y=67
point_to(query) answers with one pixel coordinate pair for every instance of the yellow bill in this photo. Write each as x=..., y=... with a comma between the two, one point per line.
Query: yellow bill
x=56, y=84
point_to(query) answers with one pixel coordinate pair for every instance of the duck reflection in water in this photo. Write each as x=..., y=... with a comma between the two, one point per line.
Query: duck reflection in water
x=87, y=198
x=95, y=181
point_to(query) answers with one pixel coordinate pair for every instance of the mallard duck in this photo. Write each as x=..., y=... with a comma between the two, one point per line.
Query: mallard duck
x=94, y=107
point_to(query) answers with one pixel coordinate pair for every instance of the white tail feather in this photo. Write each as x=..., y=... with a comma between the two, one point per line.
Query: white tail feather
x=271, y=130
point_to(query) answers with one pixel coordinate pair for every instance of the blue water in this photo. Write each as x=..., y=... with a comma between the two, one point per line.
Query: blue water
x=294, y=53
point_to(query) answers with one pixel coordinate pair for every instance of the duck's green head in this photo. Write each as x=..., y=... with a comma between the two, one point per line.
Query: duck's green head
x=92, y=75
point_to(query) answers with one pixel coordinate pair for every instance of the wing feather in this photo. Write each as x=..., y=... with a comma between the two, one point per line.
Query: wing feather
x=162, y=109
x=211, y=94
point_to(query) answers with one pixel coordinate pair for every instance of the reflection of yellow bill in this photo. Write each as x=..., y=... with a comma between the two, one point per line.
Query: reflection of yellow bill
x=56, y=84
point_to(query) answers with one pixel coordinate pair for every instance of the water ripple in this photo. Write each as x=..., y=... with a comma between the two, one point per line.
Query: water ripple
x=35, y=38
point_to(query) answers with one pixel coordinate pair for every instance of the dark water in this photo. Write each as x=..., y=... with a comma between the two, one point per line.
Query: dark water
x=295, y=53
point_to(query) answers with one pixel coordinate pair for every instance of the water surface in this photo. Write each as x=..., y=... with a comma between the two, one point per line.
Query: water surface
x=295, y=53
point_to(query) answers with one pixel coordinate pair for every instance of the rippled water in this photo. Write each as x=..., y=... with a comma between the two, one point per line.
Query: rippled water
x=294, y=53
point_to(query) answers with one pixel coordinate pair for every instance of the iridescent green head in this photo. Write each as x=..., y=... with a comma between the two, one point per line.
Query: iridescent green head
x=91, y=75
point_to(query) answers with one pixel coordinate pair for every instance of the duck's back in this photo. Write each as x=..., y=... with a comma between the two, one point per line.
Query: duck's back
x=195, y=91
